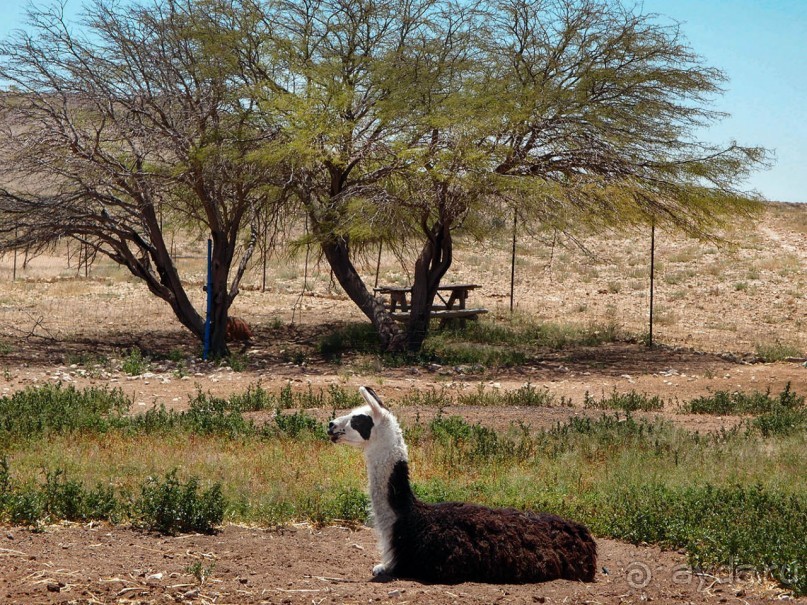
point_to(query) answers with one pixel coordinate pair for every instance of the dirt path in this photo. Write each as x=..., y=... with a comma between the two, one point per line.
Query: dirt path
x=306, y=565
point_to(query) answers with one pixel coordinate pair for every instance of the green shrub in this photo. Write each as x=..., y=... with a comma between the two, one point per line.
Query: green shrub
x=59, y=498
x=430, y=397
x=780, y=421
x=724, y=402
x=777, y=351
x=135, y=363
x=63, y=498
x=526, y=395
x=237, y=362
x=353, y=337
x=176, y=355
x=464, y=443
x=627, y=402
x=718, y=526
x=348, y=504
x=335, y=397
x=299, y=424
x=255, y=398
x=209, y=415
x=172, y=507
x=27, y=507
x=54, y=408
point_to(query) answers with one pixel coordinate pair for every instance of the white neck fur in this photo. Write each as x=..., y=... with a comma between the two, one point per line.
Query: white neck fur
x=381, y=456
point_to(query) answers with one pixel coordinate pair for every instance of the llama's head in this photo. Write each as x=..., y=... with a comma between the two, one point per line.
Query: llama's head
x=365, y=425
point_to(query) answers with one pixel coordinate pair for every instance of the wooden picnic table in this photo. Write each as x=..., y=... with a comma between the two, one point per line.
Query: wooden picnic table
x=452, y=301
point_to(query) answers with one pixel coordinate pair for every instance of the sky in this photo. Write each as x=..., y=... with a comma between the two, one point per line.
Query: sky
x=761, y=45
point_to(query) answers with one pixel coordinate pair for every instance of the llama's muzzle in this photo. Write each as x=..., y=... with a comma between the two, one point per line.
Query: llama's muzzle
x=334, y=434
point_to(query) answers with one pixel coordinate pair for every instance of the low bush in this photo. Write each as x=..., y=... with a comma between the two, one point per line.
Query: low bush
x=170, y=506
x=299, y=424
x=55, y=408
x=718, y=526
x=352, y=338
x=627, y=402
x=780, y=421
x=777, y=351
x=135, y=363
x=725, y=402
x=526, y=395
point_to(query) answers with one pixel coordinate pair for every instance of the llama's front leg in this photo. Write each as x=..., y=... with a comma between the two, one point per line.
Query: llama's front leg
x=379, y=570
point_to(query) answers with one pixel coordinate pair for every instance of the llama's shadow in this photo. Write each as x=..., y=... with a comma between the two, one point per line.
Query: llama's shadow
x=383, y=578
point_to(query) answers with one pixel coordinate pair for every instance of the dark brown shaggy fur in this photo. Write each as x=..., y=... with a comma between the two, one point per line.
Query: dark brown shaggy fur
x=238, y=330
x=455, y=542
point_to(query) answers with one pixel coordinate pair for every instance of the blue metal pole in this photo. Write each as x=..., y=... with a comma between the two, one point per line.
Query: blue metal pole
x=208, y=318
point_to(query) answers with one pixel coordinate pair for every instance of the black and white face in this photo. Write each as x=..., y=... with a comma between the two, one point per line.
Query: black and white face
x=357, y=427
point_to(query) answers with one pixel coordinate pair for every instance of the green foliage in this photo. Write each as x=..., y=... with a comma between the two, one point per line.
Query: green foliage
x=354, y=338
x=780, y=421
x=237, y=362
x=777, y=351
x=59, y=498
x=172, y=507
x=526, y=395
x=5, y=485
x=200, y=571
x=627, y=402
x=135, y=363
x=725, y=402
x=464, y=443
x=255, y=398
x=718, y=526
x=448, y=353
x=63, y=498
x=343, y=504
x=209, y=415
x=295, y=356
x=55, y=408
x=299, y=424
x=176, y=355
x=27, y=508
x=485, y=343
x=431, y=397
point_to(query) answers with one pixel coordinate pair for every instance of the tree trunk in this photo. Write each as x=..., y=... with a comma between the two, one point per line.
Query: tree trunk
x=221, y=261
x=430, y=267
x=170, y=286
x=338, y=255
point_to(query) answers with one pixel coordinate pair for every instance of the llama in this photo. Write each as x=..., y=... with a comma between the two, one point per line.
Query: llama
x=237, y=330
x=454, y=542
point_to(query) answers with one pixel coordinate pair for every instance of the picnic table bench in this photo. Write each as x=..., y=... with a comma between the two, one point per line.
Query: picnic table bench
x=450, y=302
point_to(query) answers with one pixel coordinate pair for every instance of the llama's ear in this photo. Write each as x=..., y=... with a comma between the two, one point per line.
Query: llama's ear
x=374, y=400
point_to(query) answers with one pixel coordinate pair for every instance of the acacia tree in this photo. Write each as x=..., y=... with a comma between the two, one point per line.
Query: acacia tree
x=422, y=114
x=352, y=84
x=139, y=118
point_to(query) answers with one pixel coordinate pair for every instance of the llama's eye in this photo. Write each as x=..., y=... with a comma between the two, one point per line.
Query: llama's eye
x=362, y=424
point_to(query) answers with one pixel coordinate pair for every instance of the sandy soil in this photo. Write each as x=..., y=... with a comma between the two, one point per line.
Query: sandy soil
x=307, y=565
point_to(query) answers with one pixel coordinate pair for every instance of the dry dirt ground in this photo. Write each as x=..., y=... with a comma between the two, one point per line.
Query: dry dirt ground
x=716, y=307
x=307, y=565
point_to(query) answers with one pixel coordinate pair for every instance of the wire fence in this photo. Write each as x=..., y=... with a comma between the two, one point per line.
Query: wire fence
x=705, y=298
